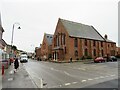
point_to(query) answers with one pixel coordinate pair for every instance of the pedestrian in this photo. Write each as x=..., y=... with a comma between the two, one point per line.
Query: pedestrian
x=71, y=59
x=16, y=64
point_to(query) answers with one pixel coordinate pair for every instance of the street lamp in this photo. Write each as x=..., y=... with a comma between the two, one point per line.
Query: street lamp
x=18, y=24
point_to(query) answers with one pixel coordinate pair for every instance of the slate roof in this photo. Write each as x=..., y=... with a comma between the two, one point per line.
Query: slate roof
x=1, y=28
x=107, y=40
x=3, y=42
x=49, y=38
x=81, y=30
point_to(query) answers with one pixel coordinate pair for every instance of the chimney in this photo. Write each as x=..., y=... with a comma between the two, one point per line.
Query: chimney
x=106, y=37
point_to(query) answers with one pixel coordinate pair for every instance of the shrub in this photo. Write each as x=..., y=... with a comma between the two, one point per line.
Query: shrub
x=77, y=58
x=117, y=56
x=89, y=57
x=82, y=58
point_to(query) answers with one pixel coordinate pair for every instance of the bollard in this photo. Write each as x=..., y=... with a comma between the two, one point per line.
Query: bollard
x=41, y=83
x=2, y=69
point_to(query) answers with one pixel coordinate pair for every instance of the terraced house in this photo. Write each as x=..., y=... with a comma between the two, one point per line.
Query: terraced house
x=46, y=47
x=76, y=40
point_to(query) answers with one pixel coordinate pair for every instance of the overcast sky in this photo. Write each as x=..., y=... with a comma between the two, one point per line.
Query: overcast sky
x=37, y=17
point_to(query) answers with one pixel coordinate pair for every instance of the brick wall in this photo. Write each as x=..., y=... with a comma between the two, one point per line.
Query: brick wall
x=100, y=48
x=38, y=53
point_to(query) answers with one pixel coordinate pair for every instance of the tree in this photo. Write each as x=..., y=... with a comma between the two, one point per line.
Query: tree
x=14, y=48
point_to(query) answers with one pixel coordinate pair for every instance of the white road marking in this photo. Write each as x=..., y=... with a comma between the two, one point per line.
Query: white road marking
x=11, y=72
x=66, y=84
x=41, y=83
x=82, y=69
x=10, y=79
x=96, y=78
x=90, y=79
x=74, y=82
x=60, y=85
x=112, y=75
x=51, y=68
x=101, y=77
x=83, y=80
x=33, y=76
x=55, y=69
x=66, y=73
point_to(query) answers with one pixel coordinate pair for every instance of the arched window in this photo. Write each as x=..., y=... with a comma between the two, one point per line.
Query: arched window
x=102, y=52
x=94, y=52
x=86, y=52
x=94, y=43
x=65, y=50
x=64, y=39
x=76, y=42
x=85, y=42
x=76, y=53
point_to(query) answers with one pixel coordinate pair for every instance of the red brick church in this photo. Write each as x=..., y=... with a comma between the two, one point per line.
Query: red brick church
x=76, y=40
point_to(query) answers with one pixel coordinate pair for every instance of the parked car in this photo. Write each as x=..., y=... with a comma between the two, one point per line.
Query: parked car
x=99, y=59
x=112, y=58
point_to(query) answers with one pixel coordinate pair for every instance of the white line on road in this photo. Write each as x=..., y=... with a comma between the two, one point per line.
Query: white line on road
x=66, y=73
x=90, y=79
x=96, y=78
x=55, y=69
x=83, y=80
x=74, y=82
x=11, y=72
x=51, y=68
x=60, y=85
x=10, y=79
x=101, y=77
x=112, y=75
x=82, y=69
x=33, y=76
x=66, y=84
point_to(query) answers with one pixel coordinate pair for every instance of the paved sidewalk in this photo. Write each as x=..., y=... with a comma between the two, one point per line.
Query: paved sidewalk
x=0, y=79
x=20, y=79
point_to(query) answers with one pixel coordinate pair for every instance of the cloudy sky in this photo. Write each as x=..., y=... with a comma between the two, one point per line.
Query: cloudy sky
x=37, y=17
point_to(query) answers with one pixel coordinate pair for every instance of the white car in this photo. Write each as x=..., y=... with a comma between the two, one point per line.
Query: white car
x=23, y=58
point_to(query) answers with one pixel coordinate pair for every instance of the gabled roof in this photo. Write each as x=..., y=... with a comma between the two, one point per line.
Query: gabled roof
x=1, y=28
x=81, y=30
x=49, y=38
x=3, y=42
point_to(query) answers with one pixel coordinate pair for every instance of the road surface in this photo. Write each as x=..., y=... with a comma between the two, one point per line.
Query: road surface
x=73, y=75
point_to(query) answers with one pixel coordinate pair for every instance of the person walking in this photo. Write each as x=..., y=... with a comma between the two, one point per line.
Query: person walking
x=16, y=64
x=71, y=59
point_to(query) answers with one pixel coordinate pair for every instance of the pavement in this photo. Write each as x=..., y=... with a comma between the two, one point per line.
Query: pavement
x=20, y=79
x=0, y=80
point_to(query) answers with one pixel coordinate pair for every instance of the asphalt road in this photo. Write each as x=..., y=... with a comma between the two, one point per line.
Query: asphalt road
x=73, y=75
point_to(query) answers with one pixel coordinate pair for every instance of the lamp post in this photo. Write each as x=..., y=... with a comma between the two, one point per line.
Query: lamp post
x=18, y=24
